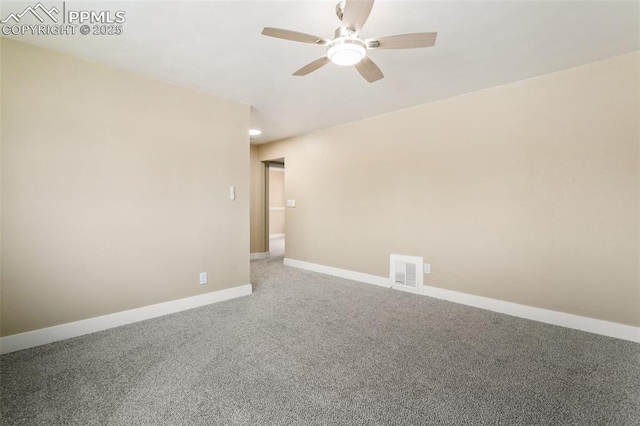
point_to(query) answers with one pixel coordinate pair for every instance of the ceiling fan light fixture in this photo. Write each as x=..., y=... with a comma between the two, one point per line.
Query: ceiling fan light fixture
x=347, y=48
x=345, y=51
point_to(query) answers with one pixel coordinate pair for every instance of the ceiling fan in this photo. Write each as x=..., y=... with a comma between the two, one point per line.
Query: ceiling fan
x=347, y=48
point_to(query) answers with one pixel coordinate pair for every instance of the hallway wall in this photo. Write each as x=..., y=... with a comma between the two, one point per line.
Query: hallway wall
x=276, y=201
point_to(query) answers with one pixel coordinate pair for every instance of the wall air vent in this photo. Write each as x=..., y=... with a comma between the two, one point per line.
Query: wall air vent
x=406, y=273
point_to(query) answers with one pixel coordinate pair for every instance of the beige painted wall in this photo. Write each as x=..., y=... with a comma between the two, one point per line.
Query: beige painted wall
x=115, y=190
x=526, y=192
x=257, y=178
x=276, y=201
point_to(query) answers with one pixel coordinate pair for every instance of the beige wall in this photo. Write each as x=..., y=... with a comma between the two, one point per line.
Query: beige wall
x=526, y=192
x=257, y=178
x=115, y=190
x=276, y=201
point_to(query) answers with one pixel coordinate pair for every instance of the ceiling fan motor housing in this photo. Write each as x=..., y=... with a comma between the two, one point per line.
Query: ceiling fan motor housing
x=340, y=10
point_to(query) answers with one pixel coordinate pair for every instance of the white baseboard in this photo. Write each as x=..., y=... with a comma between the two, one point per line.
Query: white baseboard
x=276, y=235
x=576, y=322
x=337, y=272
x=562, y=319
x=43, y=336
x=256, y=256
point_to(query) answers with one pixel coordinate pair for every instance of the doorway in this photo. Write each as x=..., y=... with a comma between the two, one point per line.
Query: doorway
x=276, y=207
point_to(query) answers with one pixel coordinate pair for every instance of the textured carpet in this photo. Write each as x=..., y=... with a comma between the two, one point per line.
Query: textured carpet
x=311, y=349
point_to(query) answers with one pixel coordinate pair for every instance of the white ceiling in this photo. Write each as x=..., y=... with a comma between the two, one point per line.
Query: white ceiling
x=216, y=47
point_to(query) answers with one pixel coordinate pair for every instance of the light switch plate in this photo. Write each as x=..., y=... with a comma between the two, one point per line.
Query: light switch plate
x=427, y=268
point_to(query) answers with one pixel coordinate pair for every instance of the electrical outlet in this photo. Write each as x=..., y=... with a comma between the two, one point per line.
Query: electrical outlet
x=427, y=268
x=203, y=278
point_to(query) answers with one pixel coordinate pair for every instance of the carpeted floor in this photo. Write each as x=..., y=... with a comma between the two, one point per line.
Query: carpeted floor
x=311, y=349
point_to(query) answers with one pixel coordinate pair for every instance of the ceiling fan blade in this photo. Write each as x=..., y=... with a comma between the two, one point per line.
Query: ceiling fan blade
x=369, y=70
x=356, y=13
x=312, y=66
x=402, y=41
x=294, y=36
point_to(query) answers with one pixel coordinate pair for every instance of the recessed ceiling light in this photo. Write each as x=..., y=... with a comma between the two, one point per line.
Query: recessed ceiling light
x=255, y=132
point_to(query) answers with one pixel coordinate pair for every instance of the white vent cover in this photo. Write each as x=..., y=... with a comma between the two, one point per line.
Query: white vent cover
x=406, y=273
